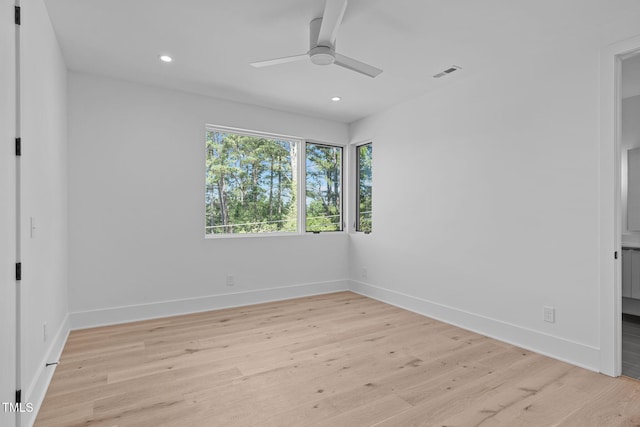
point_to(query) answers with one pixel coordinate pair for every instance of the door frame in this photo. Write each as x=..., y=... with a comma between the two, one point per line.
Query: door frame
x=9, y=330
x=610, y=205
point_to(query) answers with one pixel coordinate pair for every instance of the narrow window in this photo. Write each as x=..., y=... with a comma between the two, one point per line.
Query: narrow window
x=323, y=188
x=250, y=183
x=364, y=156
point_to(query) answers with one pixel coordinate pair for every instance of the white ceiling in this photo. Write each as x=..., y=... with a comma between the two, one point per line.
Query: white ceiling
x=213, y=42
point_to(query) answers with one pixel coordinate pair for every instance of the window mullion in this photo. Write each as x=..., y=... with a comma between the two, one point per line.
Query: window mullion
x=302, y=187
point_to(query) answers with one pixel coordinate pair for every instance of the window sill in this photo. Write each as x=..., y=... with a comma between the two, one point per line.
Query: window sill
x=267, y=235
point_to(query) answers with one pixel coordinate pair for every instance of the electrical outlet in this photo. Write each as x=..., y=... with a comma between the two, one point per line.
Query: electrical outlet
x=44, y=331
x=230, y=280
x=364, y=272
x=549, y=314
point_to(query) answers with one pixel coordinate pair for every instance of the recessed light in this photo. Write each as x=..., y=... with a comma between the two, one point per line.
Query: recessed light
x=336, y=99
x=166, y=58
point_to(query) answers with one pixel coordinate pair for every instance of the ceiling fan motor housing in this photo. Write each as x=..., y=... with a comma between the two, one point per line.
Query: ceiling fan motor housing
x=320, y=55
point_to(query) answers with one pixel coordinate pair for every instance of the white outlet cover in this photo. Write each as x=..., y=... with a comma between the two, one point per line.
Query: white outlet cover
x=549, y=314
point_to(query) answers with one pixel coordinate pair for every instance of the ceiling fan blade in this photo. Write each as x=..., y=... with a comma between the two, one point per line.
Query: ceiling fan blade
x=355, y=65
x=277, y=61
x=331, y=20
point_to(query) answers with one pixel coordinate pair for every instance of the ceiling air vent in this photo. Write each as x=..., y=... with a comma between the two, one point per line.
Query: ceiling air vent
x=447, y=71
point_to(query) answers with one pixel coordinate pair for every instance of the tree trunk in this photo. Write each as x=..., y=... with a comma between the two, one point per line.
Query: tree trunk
x=224, y=209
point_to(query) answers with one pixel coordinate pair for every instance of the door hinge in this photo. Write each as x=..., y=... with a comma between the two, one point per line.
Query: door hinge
x=18, y=271
x=18, y=146
x=16, y=15
x=18, y=396
x=615, y=255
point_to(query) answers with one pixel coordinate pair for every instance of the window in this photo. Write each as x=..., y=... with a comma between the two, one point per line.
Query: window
x=364, y=156
x=252, y=184
x=323, y=188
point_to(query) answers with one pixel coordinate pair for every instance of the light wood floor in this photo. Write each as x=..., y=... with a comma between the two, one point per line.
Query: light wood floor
x=331, y=360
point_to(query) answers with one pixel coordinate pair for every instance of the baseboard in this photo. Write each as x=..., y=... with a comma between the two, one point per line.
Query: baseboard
x=38, y=387
x=558, y=348
x=132, y=313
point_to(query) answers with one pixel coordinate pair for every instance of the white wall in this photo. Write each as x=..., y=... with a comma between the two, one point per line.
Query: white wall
x=136, y=208
x=629, y=138
x=44, y=197
x=498, y=213
x=7, y=211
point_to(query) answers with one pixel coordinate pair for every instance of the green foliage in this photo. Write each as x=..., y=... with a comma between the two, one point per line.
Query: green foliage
x=250, y=184
x=323, y=188
x=365, y=157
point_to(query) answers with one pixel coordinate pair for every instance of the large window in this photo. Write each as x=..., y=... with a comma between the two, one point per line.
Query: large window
x=364, y=156
x=252, y=184
x=323, y=188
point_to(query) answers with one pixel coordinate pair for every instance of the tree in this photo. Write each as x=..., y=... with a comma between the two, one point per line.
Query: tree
x=250, y=185
x=323, y=184
x=365, y=157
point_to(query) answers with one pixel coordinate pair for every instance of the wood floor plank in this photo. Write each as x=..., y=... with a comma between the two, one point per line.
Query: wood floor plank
x=368, y=414
x=616, y=405
x=514, y=403
x=330, y=360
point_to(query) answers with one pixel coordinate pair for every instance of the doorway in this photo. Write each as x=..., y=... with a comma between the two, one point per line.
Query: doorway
x=610, y=223
x=629, y=142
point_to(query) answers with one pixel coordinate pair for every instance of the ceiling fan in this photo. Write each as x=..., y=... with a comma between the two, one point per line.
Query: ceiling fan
x=322, y=43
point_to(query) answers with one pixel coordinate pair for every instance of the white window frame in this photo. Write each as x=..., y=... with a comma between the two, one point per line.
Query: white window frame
x=301, y=143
